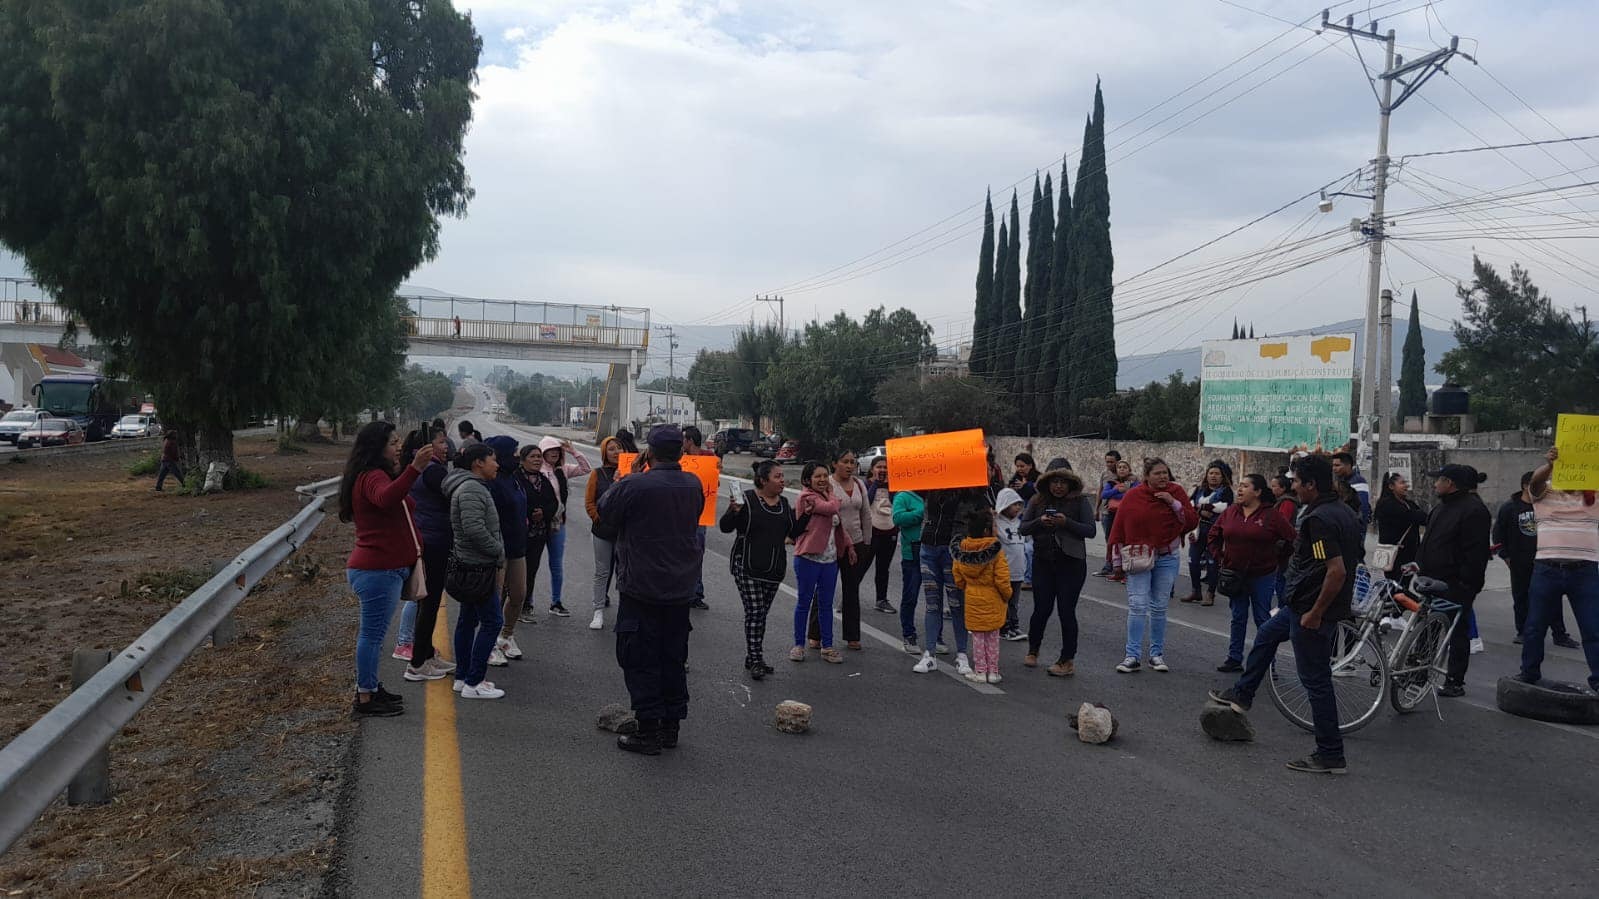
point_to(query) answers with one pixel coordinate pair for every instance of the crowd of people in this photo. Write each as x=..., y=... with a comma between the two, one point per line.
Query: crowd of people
x=476, y=520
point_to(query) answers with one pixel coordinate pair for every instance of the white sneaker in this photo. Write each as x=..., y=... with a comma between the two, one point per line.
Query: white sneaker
x=459, y=685
x=928, y=663
x=943, y=650
x=484, y=690
x=1476, y=645
x=507, y=645
x=995, y=678
x=440, y=666
x=597, y=623
x=976, y=678
x=1158, y=663
x=497, y=658
x=426, y=672
x=962, y=666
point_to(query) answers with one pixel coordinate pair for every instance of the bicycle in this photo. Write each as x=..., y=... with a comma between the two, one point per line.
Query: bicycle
x=1365, y=672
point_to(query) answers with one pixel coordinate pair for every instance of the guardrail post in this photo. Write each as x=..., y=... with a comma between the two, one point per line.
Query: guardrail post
x=92, y=786
x=227, y=631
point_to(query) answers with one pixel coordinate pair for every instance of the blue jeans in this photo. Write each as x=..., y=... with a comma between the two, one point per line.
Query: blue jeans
x=1257, y=601
x=1580, y=585
x=378, y=589
x=1148, y=595
x=910, y=582
x=938, y=587
x=555, y=548
x=1313, y=658
x=816, y=581
x=476, y=629
x=407, y=632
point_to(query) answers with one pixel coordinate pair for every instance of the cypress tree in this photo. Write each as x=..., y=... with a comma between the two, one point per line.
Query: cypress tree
x=982, y=318
x=1041, y=256
x=996, y=292
x=1092, y=338
x=1047, y=380
x=1251, y=330
x=1007, y=334
x=1235, y=329
x=1413, y=367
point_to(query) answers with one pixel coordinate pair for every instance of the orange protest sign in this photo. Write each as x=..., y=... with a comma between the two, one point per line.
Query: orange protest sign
x=938, y=461
x=707, y=468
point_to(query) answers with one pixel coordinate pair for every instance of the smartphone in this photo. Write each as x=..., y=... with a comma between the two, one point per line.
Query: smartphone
x=733, y=494
x=1051, y=512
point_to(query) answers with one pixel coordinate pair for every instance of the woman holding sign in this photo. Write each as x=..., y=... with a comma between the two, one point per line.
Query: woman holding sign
x=1145, y=545
x=821, y=544
x=764, y=522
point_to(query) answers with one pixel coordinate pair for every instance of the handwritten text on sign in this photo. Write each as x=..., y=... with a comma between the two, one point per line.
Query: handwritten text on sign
x=938, y=461
x=1577, y=438
x=707, y=468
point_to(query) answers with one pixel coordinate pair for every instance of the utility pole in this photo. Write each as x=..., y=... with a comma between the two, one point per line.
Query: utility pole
x=779, y=302
x=1373, y=385
x=1385, y=399
x=671, y=368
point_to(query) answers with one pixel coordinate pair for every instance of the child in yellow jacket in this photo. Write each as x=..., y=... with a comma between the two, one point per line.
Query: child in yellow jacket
x=982, y=572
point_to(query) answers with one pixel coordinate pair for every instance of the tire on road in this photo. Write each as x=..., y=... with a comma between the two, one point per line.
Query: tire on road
x=1548, y=700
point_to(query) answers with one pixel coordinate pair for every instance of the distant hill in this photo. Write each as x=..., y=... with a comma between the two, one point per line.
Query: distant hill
x=1136, y=371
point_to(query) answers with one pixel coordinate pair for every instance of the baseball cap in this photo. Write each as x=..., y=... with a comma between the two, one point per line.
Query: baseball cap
x=665, y=435
x=1463, y=476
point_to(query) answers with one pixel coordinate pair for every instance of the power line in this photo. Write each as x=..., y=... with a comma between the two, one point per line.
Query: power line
x=1528, y=143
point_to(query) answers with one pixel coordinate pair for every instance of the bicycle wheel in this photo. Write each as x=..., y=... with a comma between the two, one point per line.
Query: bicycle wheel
x=1415, y=673
x=1360, y=678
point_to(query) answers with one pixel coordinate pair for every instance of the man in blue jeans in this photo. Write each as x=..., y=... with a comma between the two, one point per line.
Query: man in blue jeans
x=1320, y=586
x=942, y=526
x=1567, y=563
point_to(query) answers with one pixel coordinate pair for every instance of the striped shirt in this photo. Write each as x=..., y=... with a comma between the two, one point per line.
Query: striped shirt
x=1568, y=528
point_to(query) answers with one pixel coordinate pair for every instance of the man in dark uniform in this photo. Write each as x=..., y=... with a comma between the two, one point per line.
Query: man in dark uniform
x=1456, y=551
x=1319, y=587
x=655, y=513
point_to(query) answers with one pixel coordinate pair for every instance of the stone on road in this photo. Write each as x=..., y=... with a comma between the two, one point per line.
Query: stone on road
x=1225, y=723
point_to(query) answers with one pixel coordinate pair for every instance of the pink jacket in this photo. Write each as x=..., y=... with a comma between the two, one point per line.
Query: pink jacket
x=822, y=511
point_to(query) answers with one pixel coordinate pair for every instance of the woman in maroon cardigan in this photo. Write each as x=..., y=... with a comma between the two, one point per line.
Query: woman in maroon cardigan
x=1151, y=520
x=374, y=494
x=1250, y=537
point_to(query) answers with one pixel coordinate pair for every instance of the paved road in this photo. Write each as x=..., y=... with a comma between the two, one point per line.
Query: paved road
x=928, y=784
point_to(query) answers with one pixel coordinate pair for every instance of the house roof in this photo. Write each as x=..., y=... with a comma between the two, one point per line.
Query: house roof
x=55, y=358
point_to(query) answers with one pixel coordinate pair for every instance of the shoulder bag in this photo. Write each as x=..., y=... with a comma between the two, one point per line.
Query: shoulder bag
x=1137, y=558
x=471, y=582
x=416, y=586
x=1384, y=555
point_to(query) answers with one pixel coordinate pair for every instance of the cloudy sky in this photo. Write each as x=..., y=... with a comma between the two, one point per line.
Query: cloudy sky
x=686, y=156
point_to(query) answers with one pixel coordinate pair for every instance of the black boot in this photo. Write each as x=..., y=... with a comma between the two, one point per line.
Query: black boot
x=669, y=728
x=647, y=741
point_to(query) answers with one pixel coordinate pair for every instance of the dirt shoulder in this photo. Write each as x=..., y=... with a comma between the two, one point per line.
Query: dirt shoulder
x=227, y=782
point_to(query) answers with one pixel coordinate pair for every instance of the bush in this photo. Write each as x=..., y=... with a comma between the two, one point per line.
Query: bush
x=237, y=478
x=147, y=464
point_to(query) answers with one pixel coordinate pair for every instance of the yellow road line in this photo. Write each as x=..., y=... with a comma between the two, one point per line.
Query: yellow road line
x=445, y=872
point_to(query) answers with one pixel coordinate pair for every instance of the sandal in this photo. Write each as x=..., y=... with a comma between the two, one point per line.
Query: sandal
x=854, y=644
x=832, y=656
x=813, y=644
x=797, y=654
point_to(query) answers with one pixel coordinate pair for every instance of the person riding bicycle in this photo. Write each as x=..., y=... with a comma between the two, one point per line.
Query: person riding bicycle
x=1456, y=551
x=1318, y=591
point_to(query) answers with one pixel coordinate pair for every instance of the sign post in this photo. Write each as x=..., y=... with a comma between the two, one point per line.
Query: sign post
x=1276, y=392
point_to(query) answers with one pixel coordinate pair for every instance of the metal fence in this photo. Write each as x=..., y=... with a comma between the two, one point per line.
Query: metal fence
x=39, y=764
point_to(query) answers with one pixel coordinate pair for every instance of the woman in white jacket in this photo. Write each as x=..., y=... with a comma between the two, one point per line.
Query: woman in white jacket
x=1007, y=526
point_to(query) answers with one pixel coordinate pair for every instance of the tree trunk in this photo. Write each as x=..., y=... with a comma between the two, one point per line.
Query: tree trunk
x=214, y=442
x=307, y=428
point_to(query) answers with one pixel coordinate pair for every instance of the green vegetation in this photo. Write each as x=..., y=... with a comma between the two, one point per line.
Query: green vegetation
x=147, y=464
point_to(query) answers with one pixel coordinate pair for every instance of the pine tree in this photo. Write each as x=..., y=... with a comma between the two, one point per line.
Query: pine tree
x=1251, y=330
x=1030, y=291
x=1413, y=367
x=1092, y=338
x=1235, y=329
x=1039, y=282
x=1040, y=406
x=983, y=315
x=996, y=290
x=1009, y=302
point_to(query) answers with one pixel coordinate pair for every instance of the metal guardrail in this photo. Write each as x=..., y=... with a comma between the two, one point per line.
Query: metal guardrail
x=30, y=311
x=39, y=764
x=528, y=332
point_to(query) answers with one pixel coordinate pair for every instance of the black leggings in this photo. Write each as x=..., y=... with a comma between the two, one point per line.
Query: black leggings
x=435, y=558
x=883, y=545
x=849, y=598
x=1057, y=583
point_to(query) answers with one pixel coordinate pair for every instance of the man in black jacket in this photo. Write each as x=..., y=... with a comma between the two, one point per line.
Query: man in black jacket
x=1516, y=535
x=1456, y=551
x=656, y=516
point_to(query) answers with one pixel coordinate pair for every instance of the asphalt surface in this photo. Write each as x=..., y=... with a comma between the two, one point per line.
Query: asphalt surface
x=928, y=784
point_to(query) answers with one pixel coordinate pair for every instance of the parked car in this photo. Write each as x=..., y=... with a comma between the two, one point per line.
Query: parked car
x=871, y=455
x=789, y=452
x=766, y=447
x=51, y=432
x=733, y=440
x=18, y=420
x=135, y=426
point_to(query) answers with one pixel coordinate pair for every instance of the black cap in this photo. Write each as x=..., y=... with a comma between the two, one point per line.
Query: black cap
x=665, y=435
x=1464, y=476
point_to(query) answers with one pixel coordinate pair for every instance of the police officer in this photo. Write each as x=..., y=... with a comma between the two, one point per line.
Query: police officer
x=655, y=513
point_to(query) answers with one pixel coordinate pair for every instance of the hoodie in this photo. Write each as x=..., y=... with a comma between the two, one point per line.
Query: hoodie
x=1065, y=540
x=1010, y=533
x=474, y=520
x=510, y=500
x=1516, y=531
x=575, y=466
x=981, y=570
x=908, y=512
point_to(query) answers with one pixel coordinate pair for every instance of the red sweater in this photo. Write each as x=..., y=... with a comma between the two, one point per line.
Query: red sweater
x=1250, y=545
x=382, y=520
x=1143, y=520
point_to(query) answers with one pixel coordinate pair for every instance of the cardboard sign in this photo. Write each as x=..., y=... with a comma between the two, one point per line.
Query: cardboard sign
x=938, y=461
x=707, y=468
x=1577, y=438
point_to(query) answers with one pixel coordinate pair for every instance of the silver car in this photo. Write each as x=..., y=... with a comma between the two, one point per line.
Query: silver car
x=18, y=420
x=134, y=426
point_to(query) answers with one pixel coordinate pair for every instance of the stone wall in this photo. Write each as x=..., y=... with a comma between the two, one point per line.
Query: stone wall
x=1188, y=461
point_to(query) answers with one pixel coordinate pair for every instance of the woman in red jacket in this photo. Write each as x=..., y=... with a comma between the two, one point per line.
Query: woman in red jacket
x=374, y=494
x=1250, y=537
x=1145, y=544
